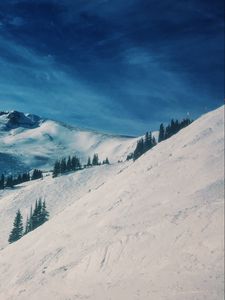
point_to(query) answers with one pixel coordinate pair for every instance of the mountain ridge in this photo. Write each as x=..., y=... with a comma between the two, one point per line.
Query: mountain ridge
x=36, y=118
x=29, y=141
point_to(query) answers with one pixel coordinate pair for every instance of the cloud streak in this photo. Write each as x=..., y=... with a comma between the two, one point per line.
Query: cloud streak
x=115, y=66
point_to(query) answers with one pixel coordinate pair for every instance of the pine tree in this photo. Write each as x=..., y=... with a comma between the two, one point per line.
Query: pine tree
x=56, y=169
x=95, y=160
x=139, y=150
x=89, y=162
x=25, y=177
x=147, y=141
x=17, y=231
x=37, y=174
x=151, y=141
x=63, y=166
x=39, y=212
x=34, y=175
x=44, y=214
x=9, y=181
x=36, y=217
x=76, y=165
x=176, y=126
x=69, y=164
x=161, y=133
x=167, y=132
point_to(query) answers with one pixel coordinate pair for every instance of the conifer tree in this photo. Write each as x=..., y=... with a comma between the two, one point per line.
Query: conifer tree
x=161, y=133
x=95, y=160
x=56, y=169
x=69, y=164
x=107, y=161
x=139, y=150
x=37, y=174
x=9, y=181
x=76, y=165
x=89, y=162
x=151, y=141
x=63, y=166
x=36, y=217
x=147, y=141
x=44, y=214
x=17, y=231
x=176, y=126
x=25, y=177
x=39, y=212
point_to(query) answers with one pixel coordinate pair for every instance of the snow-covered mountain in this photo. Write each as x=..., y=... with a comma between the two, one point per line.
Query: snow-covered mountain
x=28, y=141
x=152, y=229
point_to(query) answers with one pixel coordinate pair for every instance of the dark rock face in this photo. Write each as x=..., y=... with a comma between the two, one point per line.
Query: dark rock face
x=19, y=119
x=3, y=113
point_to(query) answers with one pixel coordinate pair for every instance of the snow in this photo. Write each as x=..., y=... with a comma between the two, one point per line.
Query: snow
x=39, y=146
x=152, y=229
x=57, y=193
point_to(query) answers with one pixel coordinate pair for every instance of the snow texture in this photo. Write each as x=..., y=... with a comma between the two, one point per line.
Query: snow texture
x=152, y=229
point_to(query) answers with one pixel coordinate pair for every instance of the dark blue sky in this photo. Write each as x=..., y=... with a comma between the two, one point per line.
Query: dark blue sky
x=114, y=65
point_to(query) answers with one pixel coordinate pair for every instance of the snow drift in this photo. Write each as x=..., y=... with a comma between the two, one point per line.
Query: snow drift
x=151, y=230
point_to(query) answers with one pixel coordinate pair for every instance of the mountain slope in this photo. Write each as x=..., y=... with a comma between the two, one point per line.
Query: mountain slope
x=27, y=141
x=58, y=192
x=152, y=231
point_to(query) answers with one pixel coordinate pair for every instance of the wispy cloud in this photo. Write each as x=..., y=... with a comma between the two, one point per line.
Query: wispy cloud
x=112, y=65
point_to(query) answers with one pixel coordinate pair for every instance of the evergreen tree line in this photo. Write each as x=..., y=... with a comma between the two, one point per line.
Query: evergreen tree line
x=10, y=181
x=37, y=217
x=73, y=164
x=95, y=161
x=143, y=145
x=146, y=143
x=172, y=128
x=66, y=165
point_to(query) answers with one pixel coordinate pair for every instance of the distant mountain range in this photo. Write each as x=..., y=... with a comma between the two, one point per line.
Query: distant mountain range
x=28, y=141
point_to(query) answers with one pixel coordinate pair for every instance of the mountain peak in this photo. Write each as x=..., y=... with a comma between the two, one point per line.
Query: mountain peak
x=14, y=119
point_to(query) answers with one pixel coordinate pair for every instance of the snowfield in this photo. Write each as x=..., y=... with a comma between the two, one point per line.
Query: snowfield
x=25, y=146
x=152, y=229
x=59, y=193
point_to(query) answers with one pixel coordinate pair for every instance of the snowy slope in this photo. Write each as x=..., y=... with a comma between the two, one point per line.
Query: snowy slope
x=27, y=141
x=59, y=193
x=152, y=231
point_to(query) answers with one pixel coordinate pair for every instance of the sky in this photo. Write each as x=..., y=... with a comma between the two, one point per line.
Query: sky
x=112, y=65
